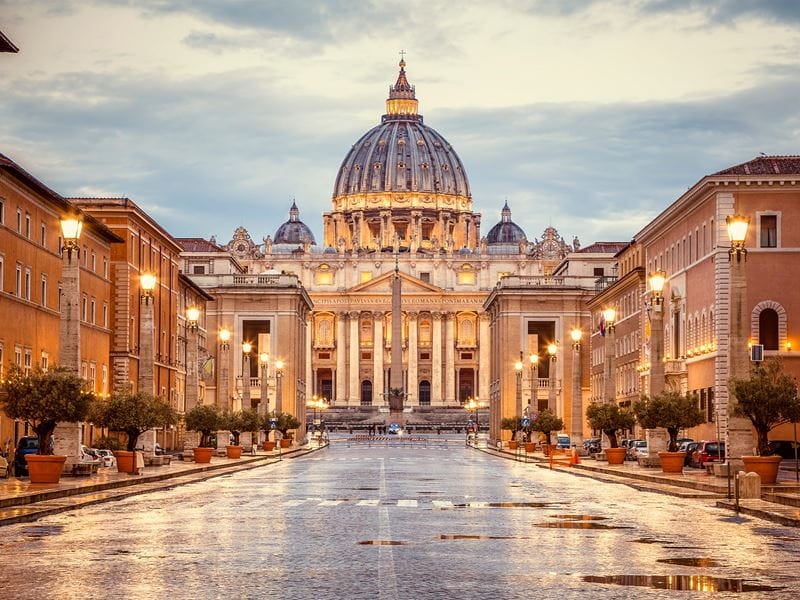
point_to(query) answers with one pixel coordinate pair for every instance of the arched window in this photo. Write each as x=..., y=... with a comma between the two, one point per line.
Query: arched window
x=366, y=393
x=768, y=329
x=424, y=393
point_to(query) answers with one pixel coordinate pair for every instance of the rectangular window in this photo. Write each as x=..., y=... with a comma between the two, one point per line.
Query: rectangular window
x=92, y=375
x=94, y=262
x=104, y=383
x=92, y=313
x=18, y=282
x=19, y=221
x=599, y=271
x=27, y=283
x=45, y=361
x=2, y=273
x=198, y=269
x=2, y=211
x=84, y=370
x=44, y=290
x=27, y=226
x=426, y=277
x=84, y=307
x=105, y=315
x=2, y=361
x=105, y=267
x=60, y=292
x=28, y=366
x=18, y=356
x=85, y=256
x=44, y=236
x=690, y=251
x=769, y=231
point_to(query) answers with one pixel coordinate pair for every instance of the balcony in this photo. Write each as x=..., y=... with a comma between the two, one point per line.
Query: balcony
x=555, y=282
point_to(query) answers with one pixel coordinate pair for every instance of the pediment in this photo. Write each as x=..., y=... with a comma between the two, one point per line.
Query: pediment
x=383, y=285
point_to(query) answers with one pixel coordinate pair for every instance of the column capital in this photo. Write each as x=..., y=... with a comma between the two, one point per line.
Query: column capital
x=354, y=315
x=412, y=315
x=437, y=316
x=484, y=316
x=378, y=314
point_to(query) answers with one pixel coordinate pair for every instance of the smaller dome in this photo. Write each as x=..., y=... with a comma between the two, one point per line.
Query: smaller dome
x=506, y=231
x=293, y=231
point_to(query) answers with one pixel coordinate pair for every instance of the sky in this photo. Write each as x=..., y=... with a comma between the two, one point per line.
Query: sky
x=591, y=116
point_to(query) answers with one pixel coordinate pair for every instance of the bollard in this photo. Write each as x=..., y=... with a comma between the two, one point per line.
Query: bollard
x=748, y=485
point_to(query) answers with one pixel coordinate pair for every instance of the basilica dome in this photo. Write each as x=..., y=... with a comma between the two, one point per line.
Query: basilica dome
x=294, y=231
x=506, y=231
x=402, y=156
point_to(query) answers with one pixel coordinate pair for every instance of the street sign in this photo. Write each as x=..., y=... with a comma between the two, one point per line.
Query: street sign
x=273, y=423
x=526, y=421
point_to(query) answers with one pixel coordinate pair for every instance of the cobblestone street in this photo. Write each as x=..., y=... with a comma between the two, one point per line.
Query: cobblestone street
x=399, y=522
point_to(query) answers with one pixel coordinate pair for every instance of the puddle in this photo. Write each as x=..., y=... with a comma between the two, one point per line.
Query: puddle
x=382, y=543
x=36, y=531
x=373, y=489
x=435, y=493
x=579, y=517
x=695, y=583
x=579, y=525
x=649, y=541
x=507, y=505
x=480, y=537
x=703, y=563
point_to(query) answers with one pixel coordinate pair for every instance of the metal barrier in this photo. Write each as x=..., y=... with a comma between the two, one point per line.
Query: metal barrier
x=388, y=440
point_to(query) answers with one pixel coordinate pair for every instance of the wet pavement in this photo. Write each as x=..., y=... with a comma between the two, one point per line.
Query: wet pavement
x=399, y=522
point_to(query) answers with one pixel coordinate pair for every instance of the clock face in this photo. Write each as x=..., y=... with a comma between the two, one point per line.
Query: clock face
x=241, y=248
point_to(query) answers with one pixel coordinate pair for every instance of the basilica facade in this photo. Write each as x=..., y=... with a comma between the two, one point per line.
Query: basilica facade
x=401, y=200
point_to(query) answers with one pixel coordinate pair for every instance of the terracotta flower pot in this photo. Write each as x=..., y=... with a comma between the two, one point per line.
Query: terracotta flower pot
x=202, y=455
x=615, y=456
x=45, y=468
x=286, y=443
x=672, y=462
x=765, y=466
x=126, y=461
x=513, y=444
x=530, y=446
x=233, y=451
x=269, y=446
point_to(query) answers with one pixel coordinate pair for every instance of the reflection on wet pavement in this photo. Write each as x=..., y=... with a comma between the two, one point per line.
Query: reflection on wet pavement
x=703, y=563
x=696, y=583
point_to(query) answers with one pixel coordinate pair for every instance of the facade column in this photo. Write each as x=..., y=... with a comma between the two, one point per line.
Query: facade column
x=190, y=386
x=354, y=391
x=412, y=386
x=609, y=387
x=738, y=434
x=378, y=389
x=449, y=359
x=341, y=369
x=245, y=381
x=576, y=410
x=483, y=357
x=657, y=439
x=436, y=350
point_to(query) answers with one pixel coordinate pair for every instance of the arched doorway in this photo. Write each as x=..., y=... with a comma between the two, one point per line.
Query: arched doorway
x=424, y=393
x=466, y=384
x=366, y=393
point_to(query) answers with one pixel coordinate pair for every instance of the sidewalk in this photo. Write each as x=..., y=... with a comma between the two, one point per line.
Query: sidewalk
x=22, y=501
x=779, y=503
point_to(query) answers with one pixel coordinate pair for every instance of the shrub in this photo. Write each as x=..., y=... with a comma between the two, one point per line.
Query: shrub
x=671, y=410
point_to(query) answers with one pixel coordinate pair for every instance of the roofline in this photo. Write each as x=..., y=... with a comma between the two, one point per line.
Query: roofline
x=189, y=283
x=58, y=200
x=128, y=204
x=6, y=45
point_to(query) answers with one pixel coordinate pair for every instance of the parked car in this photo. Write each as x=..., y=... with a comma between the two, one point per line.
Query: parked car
x=707, y=452
x=592, y=445
x=688, y=449
x=28, y=444
x=783, y=448
x=637, y=448
x=108, y=458
x=394, y=429
x=562, y=441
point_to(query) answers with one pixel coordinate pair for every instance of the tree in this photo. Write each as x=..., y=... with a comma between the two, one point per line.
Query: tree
x=512, y=424
x=205, y=419
x=237, y=422
x=546, y=423
x=44, y=399
x=768, y=398
x=285, y=422
x=671, y=410
x=609, y=418
x=132, y=414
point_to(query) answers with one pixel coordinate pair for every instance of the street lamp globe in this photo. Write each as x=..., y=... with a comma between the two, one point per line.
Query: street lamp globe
x=147, y=281
x=657, y=281
x=518, y=366
x=264, y=358
x=224, y=335
x=247, y=347
x=737, y=229
x=193, y=316
x=609, y=316
x=552, y=348
x=576, y=334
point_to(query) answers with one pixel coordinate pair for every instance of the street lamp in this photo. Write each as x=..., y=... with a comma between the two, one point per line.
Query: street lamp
x=738, y=435
x=70, y=334
x=223, y=346
x=576, y=422
x=609, y=319
x=534, y=361
x=263, y=406
x=518, y=368
x=193, y=316
x=191, y=386
x=469, y=406
x=656, y=438
x=552, y=349
x=224, y=338
x=279, y=386
x=246, y=348
x=146, y=380
x=317, y=402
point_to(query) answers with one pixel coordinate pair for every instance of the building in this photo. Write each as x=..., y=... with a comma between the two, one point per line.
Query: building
x=32, y=293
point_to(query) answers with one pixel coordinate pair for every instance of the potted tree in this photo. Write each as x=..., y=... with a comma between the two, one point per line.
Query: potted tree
x=673, y=411
x=512, y=424
x=236, y=423
x=546, y=423
x=610, y=418
x=131, y=415
x=266, y=425
x=44, y=399
x=285, y=423
x=768, y=398
x=204, y=419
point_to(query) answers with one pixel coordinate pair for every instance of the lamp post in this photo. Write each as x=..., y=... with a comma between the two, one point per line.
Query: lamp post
x=191, y=386
x=279, y=386
x=70, y=338
x=246, y=349
x=146, y=380
x=223, y=346
x=609, y=391
x=518, y=368
x=656, y=438
x=738, y=436
x=534, y=361
x=470, y=405
x=263, y=405
x=552, y=349
x=576, y=422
